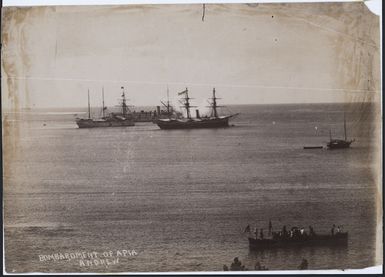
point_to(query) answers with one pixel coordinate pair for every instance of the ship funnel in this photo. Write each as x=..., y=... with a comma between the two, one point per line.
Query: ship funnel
x=158, y=110
x=197, y=113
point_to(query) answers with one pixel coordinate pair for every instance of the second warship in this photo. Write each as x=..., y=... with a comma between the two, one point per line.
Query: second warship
x=212, y=121
x=123, y=119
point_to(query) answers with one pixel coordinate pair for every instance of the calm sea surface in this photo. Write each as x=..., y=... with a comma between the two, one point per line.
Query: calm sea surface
x=181, y=198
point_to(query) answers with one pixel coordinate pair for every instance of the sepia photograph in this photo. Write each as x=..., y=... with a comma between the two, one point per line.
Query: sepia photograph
x=191, y=137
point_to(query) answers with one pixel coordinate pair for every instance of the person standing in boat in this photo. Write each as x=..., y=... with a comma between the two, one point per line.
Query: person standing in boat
x=302, y=231
x=261, y=234
x=311, y=231
x=270, y=227
x=332, y=231
x=256, y=233
x=284, y=231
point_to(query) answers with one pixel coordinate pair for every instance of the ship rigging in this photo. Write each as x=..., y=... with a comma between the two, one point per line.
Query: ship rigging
x=212, y=121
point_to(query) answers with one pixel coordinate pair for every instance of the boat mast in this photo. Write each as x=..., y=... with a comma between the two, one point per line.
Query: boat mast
x=124, y=105
x=214, y=104
x=168, y=102
x=103, y=101
x=89, y=107
x=330, y=134
x=345, y=125
x=187, y=104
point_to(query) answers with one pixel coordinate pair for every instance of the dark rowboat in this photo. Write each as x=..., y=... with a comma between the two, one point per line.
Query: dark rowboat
x=339, y=143
x=336, y=239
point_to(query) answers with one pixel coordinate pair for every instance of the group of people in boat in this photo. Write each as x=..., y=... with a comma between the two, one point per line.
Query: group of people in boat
x=293, y=233
x=260, y=233
x=336, y=230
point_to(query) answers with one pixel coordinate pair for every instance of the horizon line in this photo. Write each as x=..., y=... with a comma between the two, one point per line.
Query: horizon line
x=240, y=104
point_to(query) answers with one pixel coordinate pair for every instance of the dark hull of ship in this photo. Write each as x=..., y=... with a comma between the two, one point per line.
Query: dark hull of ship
x=90, y=123
x=221, y=122
x=338, y=144
x=316, y=240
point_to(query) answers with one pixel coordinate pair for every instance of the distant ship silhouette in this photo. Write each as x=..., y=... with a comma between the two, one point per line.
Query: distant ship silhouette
x=111, y=120
x=339, y=143
x=212, y=121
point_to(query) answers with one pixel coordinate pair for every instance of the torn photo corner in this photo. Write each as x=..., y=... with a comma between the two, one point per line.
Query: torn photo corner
x=192, y=138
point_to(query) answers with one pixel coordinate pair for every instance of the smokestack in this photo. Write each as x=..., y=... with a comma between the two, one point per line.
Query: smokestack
x=197, y=112
x=158, y=110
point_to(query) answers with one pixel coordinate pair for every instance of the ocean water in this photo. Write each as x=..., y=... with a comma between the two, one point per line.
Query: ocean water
x=180, y=199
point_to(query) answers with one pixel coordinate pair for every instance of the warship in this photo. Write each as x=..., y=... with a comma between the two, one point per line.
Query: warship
x=168, y=110
x=212, y=121
x=339, y=143
x=123, y=119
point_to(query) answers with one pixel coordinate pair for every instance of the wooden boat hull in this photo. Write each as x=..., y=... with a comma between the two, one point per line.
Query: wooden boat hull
x=220, y=122
x=320, y=240
x=338, y=144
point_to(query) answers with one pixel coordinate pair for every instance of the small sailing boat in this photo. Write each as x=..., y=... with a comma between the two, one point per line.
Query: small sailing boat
x=339, y=143
x=212, y=121
x=111, y=120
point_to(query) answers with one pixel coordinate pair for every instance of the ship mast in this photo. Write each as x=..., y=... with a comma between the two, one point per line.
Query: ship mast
x=89, y=107
x=168, y=102
x=214, y=104
x=186, y=103
x=103, y=101
x=124, y=105
x=345, y=125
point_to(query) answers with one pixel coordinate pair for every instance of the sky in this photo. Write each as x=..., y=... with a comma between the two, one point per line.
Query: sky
x=251, y=54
